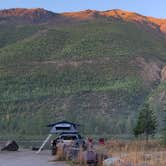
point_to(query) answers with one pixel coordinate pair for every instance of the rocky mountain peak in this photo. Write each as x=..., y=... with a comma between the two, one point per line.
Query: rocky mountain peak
x=34, y=15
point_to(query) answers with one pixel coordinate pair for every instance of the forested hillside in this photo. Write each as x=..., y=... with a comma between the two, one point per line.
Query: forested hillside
x=94, y=68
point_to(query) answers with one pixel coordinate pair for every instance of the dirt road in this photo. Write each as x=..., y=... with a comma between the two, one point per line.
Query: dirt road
x=28, y=158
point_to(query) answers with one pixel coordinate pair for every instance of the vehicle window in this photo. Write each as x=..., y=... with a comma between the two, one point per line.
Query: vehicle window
x=62, y=128
x=68, y=137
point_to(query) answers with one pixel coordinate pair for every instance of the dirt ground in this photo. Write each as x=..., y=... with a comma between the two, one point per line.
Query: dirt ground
x=28, y=158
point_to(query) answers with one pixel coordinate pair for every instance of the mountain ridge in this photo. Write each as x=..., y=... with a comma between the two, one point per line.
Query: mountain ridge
x=23, y=11
x=36, y=15
x=17, y=11
x=121, y=14
x=33, y=15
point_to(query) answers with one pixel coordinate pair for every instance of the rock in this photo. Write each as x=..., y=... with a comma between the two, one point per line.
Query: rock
x=163, y=74
x=10, y=146
x=110, y=161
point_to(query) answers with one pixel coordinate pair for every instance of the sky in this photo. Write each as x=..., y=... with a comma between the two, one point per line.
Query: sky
x=156, y=8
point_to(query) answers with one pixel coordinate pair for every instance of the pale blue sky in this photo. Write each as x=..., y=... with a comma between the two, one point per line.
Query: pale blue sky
x=156, y=8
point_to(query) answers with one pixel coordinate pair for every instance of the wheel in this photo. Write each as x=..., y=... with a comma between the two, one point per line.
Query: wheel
x=54, y=150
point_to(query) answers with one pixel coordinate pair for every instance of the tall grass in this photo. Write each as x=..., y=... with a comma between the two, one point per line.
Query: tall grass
x=137, y=153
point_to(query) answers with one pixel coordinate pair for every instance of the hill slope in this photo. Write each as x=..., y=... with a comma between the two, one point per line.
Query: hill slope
x=95, y=68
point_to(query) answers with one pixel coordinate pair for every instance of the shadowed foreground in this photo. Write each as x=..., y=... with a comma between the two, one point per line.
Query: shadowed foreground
x=28, y=158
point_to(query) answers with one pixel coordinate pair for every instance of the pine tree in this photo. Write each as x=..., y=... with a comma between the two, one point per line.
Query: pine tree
x=146, y=123
x=164, y=132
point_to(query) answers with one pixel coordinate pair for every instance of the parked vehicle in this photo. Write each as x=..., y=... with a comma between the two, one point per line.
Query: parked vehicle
x=67, y=139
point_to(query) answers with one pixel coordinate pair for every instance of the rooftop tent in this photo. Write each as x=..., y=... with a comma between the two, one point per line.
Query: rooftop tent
x=58, y=128
x=63, y=126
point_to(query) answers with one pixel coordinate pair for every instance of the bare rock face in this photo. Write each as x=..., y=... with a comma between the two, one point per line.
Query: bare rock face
x=163, y=74
x=163, y=28
x=10, y=146
x=149, y=70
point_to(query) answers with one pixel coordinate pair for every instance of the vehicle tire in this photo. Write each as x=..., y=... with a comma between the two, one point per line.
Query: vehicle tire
x=54, y=150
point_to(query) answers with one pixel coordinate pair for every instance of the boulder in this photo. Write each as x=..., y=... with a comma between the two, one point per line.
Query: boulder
x=110, y=161
x=10, y=146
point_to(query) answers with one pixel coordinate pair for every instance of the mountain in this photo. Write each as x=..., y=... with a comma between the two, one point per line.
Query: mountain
x=20, y=12
x=154, y=23
x=36, y=15
x=92, y=67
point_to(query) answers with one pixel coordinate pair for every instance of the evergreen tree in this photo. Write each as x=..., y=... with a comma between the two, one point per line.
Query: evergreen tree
x=146, y=123
x=164, y=132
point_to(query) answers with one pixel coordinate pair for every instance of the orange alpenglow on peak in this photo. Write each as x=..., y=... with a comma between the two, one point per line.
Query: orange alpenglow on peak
x=117, y=13
x=39, y=14
x=154, y=23
x=82, y=15
x=34, y=15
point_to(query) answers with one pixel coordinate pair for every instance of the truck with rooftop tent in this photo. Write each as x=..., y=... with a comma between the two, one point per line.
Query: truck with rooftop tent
x=66, y=132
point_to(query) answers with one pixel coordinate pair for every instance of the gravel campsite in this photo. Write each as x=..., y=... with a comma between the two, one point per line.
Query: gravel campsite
x=28, y=158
